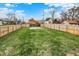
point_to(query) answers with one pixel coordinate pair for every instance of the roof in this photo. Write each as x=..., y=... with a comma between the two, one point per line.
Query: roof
x=47, y=19
x=72, y=21
x=32, y=21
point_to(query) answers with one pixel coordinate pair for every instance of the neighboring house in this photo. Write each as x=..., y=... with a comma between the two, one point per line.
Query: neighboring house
x=48, y=21
x=5, y=21
x=56, y=21
x=33, y=22
x=72, y=22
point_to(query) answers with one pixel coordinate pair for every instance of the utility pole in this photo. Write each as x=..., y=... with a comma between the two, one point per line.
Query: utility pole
x=43, y=14
x=52, y=12
x=43, y=18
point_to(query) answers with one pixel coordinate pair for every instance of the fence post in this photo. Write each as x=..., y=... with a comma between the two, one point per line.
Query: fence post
x=3, y=31
x=21, y=25
x=59, y=26
x=12, y=28
x=66, y=27
x=74, y=29
x=54, y=26
x=0, y=31
x=8, y=28
x=50, y=26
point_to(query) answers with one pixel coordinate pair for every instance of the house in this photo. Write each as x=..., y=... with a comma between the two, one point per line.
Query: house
x=33, y=22
x=72, y=22
x=48, y=21
x=5, y=21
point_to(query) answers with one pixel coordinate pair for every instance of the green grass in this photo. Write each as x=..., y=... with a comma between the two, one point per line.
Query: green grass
x=40, y=42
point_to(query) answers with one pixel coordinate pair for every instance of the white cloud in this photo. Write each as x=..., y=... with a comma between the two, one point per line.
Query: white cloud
x=4, y=12
x=10, y=5
x=19, y=11
x=60, y=4
x=40, y=1
x=65, y=6
x=20, y=14
x=47, y=12
x=30, y=3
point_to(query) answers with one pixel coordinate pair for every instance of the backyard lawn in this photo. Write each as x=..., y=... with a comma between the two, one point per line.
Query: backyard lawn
x=39, y=42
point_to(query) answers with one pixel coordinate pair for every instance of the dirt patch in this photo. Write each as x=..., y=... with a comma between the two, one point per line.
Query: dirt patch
x=73, y=53
x=35, y=28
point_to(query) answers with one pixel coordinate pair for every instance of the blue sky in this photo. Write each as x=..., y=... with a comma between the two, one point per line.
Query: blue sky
x=33, y=10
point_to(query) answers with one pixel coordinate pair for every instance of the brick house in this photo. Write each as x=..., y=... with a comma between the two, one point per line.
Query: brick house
x=33, y=22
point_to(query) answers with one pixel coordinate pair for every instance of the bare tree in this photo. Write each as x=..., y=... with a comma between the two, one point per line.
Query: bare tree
x=64, y=15
x=77, y=13
x=71, y=14
x=52, y=12
x=12, y=18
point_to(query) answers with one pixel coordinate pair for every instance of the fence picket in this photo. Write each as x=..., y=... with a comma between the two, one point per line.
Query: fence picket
x=10, y=28
x=74, y=29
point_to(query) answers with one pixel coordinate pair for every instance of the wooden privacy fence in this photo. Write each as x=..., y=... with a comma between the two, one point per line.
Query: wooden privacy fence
x=10, y=28
x=74, y=29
